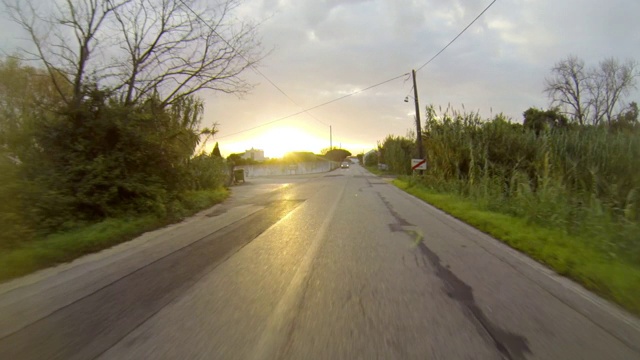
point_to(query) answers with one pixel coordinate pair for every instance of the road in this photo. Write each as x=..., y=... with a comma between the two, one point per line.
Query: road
x=339, y=265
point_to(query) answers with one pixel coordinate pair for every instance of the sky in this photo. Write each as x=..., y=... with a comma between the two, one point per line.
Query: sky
x=322, y=50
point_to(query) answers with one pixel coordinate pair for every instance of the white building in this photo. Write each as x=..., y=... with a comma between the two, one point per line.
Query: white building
x=254, y=154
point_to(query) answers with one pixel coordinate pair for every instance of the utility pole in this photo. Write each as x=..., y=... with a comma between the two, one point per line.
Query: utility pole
x=418, y=127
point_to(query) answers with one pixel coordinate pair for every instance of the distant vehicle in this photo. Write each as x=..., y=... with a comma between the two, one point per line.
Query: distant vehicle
x=344, y=165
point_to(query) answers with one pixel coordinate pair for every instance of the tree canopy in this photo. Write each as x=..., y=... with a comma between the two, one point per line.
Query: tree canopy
x=337, y=155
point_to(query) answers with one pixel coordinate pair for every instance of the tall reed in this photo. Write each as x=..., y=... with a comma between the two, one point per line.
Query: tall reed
x=585, y=180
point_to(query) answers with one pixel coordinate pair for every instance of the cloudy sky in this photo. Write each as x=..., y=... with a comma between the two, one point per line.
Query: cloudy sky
x=321, y=50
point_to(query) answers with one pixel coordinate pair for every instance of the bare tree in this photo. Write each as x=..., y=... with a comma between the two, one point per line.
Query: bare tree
x=164, y=48
x=596, y=90
x=567, y=87
x=65, y=39
x=174, y=50
x=611, y=81
x=591, y=95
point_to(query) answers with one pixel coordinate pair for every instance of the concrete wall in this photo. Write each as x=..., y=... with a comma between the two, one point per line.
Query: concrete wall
x=315, y=167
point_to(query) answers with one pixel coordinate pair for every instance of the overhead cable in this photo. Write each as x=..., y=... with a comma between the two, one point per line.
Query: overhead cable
x=457, y=36
x=253, y=67
x=317, y=106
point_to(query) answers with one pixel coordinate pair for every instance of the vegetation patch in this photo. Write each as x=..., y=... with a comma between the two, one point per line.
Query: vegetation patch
x=78, y=176
x=570, y=255
x=95, y=150
x=375, y=170
x=68, y=245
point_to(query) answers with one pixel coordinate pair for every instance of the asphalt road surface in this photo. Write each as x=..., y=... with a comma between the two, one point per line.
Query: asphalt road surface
x=339, y=265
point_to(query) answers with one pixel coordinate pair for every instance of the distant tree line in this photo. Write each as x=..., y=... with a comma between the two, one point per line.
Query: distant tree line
x=294, y=157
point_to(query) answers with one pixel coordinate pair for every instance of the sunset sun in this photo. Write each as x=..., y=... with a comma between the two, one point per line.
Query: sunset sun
x=278, y=141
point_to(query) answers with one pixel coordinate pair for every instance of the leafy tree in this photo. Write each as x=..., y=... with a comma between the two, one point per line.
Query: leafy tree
x=627, y=120
x=122, y=160
x=237, y=159
x=13, y=215
x=337, y=155
x=371, y=159
x=216, y=151
x=26, y=96
x=100, y=159
x=208, y=171
x=296, y=157
x=539, y=120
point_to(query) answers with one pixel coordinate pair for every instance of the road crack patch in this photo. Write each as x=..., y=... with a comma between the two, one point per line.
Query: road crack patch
x=512, y=346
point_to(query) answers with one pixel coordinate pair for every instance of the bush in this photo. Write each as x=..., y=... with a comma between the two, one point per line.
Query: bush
x=15, y=229
x=397, y=152
x=371, y=159
x=67, y=165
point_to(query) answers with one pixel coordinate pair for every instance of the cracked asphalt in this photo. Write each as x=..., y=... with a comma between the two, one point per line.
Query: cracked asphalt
x=329, y=266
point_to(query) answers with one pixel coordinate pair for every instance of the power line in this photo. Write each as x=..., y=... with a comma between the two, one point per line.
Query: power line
x=288, y=97
x=451, y=42
x=316, y=106
x=457, y=36
x=328, y=102
x=254, y=68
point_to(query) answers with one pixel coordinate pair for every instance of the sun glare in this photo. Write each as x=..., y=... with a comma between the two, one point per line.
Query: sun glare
x=278, y=141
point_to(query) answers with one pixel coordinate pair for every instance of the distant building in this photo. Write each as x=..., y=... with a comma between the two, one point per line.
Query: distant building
x=254, y=154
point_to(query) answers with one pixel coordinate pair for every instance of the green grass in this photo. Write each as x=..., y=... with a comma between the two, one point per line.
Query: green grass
x=374, y=170
x=69, y=245
x=568, y=255
x=198, y=200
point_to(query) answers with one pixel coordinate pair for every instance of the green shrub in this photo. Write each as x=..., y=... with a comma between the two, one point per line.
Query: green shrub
x=15, y=227
x=397, y=153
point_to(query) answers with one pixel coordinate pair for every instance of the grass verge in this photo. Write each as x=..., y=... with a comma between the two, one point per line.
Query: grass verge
x=374, y=170
x=568, y=255
x=69, y=245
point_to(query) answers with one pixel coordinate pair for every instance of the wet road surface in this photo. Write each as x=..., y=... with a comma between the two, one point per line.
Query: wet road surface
x=331, y=266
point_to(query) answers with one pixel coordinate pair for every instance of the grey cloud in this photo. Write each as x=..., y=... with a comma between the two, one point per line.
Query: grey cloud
x=497, y=66
x=324, y=48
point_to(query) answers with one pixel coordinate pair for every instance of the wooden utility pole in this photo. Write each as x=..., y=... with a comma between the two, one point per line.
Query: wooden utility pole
x=418, y=127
